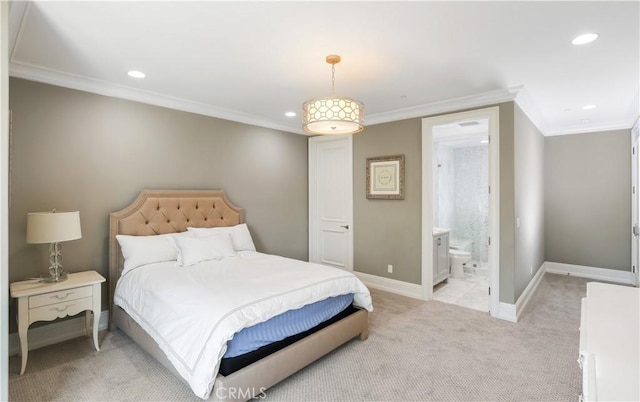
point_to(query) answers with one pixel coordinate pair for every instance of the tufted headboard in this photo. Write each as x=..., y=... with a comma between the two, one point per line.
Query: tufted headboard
x=157, y=212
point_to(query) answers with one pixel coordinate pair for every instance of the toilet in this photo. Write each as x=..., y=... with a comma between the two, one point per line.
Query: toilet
x=457, y=258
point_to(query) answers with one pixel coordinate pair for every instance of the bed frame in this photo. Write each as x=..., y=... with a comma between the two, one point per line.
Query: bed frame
x=171, y=211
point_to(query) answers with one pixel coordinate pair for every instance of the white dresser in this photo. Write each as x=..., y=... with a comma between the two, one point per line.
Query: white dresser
x=610, y=343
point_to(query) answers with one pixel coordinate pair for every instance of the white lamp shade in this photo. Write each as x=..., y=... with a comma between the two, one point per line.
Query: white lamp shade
x=53, y=227
x=332, y=116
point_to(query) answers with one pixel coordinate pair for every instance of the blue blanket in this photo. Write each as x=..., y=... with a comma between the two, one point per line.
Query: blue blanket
x=286, y=324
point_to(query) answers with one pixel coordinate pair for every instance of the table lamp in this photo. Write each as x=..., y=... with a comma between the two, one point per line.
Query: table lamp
x=53, y=227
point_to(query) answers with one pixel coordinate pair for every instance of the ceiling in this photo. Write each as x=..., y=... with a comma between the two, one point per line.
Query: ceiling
x=253, y=61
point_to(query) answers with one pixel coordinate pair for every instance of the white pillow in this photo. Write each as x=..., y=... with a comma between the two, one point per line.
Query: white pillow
x=142, y=250
x=240, y=236
x=196, y=249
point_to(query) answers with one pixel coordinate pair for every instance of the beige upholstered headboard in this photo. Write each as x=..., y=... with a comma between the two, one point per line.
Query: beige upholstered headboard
x=157, y=212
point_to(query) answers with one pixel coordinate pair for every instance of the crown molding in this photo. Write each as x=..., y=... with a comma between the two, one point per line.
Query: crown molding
x=450, y=105
x=81, y=83
x=529, y=107
x=18, y=11
x=633, y=114
x=53, y=77
x=626, y=123
x=610, y=126
x=517, y=94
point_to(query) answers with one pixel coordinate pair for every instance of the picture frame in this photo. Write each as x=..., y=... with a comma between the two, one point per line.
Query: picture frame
x=385, y=177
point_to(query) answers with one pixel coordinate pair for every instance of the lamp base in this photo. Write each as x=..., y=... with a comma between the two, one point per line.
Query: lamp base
x=62, y=276
x=56, y=274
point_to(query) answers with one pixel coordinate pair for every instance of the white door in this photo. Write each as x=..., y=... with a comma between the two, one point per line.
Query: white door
x=331, y=201
x=635, y=204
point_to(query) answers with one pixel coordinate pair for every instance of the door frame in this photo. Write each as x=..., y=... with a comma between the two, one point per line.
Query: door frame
x=492, y=114
x=4, y=198
x=314, y=219
x=635, y=202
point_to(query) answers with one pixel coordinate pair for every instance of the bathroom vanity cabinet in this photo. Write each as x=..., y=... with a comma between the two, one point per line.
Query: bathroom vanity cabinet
x=440, y=256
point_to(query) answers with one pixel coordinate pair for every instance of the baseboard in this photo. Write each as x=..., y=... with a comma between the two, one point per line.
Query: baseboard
x=56, y=332
x=391, y=285
x=524, y=298
x=601, y=274
x=507, y=312
x=512, y=312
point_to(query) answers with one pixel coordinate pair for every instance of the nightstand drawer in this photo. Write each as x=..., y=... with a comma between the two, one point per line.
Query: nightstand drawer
x=60, y=296
x=60, y=310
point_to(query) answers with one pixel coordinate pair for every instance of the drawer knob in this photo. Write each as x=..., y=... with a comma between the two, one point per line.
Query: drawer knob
x=62, y=297
x=60, y=310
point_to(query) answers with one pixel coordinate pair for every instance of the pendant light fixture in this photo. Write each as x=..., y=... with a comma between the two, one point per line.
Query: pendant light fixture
x=333, y=115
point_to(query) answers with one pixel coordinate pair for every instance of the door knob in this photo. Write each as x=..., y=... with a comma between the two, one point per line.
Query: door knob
x=345, y=226
x=635, y=230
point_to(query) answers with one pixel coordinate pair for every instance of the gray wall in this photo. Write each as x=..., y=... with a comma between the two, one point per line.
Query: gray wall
x=507, y=203
x=529, y=200
x=78, y=151
x=570, y=193
x=389, y=231
x=73, y=150
x=588, y=199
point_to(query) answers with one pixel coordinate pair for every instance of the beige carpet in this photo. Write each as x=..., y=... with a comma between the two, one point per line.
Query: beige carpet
x=416, y=351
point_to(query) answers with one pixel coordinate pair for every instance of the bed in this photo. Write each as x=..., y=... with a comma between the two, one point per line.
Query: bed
x=158, y=213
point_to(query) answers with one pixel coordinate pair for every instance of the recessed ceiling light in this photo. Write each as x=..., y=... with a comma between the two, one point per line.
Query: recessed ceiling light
x=585, y=120
x=484, y=142
x=290, y=114
x=585, y=38
x=587, y=107
x=136, y=74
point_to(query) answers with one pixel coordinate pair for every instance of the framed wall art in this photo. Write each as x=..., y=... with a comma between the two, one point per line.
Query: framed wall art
x=385, y=177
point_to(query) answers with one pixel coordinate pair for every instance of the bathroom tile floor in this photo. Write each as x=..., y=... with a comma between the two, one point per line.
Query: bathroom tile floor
x=470, y=292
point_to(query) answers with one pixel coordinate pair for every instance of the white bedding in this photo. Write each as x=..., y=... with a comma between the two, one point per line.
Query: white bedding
x=191, y=312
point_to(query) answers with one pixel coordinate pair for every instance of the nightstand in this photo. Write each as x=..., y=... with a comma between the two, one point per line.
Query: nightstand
x=40, y=301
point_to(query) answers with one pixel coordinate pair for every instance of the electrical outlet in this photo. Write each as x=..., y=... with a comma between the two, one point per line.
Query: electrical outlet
x=390, y=268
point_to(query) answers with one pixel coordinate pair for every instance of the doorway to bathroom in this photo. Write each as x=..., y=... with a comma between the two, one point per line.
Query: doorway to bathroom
x=460, y=209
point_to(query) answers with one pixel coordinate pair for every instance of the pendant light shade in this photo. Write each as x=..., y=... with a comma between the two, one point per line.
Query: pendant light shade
x=333, y=115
